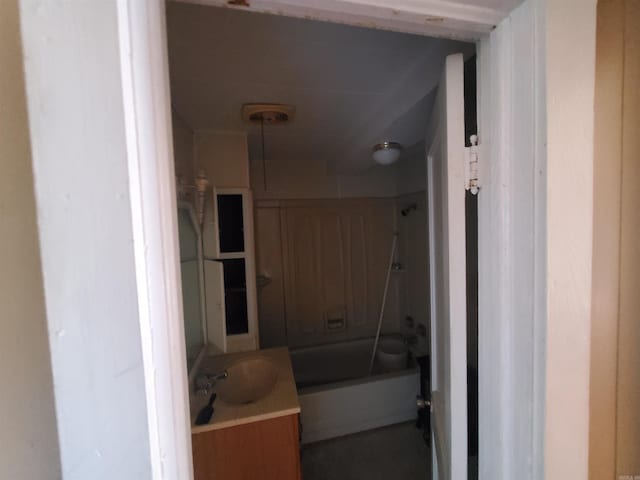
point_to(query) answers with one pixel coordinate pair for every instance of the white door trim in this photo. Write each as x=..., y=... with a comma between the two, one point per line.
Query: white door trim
x=438, y=18
x=147, y=109
x=511, y=248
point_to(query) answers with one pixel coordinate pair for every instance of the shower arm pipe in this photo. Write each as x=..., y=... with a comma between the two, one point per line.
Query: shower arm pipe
x=384, y=301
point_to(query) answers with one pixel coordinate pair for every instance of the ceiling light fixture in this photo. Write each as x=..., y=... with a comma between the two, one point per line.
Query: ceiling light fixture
x=386, y=153
x=269, y=114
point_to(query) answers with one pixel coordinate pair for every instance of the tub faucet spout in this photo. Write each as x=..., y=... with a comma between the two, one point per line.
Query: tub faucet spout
x=218, y=376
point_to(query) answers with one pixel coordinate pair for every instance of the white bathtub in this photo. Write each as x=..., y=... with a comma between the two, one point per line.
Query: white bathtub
x=337, y=397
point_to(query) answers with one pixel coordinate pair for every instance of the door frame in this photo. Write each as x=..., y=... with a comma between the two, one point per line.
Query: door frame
x=144, y=69
x=505, y=427
x=517, y=96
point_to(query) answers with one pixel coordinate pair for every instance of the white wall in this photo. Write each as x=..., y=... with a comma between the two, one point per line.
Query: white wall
x=84, y=217
x=28, y=436
x=511, y=249
x=570, y=76
x=535, y=281
x=411, y=176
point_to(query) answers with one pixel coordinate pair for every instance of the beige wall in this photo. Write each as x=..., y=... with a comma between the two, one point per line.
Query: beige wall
x=569, y=62
x=615, y=383
x=28, y=436
x=414, y=256
x=310, y=178
x=269, y=266
x=183, y=148
x=224, y=157
x=628, y=402
x=411, y=176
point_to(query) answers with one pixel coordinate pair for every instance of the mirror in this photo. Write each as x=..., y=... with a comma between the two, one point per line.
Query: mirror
x=192, y=281
x=230, y=223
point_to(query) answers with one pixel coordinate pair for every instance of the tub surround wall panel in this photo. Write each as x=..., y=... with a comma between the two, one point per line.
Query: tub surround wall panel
x=357, y=281
x=327, y=269
x=319, y=286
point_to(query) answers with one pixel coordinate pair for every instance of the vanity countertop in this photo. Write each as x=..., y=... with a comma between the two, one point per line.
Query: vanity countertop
x=281, y=401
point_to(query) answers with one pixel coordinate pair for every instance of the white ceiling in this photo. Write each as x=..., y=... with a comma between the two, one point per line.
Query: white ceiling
x=352, y=87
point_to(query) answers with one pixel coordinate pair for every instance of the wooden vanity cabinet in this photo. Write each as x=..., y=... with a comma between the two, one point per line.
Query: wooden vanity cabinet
x=261, y=450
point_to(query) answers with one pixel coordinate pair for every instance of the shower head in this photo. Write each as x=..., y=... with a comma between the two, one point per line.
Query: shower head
x=407, y=210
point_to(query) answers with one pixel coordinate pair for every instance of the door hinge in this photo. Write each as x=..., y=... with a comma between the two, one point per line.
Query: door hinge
x=471, y=166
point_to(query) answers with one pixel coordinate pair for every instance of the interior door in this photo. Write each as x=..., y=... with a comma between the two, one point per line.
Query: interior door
x=446, y=199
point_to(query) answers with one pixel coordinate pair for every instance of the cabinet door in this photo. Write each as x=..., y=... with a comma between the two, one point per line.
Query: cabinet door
x=265, y=450
x=228, y=239
x=215, y=304
x=235, y=296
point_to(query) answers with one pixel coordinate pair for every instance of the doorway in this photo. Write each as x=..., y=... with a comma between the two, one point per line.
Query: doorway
x=325, y=213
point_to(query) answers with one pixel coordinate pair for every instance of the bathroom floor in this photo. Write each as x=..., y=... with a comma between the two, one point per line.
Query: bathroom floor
x=397, y=451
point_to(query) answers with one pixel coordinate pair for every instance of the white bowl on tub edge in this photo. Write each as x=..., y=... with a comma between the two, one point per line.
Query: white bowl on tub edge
x=392, y=354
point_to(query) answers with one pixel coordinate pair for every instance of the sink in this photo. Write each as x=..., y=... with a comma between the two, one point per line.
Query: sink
x=249, y=380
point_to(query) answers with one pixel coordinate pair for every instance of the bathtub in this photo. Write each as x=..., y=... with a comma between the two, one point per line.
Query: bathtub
x=338, y=397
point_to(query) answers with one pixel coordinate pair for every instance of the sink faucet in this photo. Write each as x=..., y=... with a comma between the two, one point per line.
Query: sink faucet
x=207, y=381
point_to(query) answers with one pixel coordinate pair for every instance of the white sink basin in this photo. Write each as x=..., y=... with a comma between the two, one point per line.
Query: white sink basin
x=249, y=380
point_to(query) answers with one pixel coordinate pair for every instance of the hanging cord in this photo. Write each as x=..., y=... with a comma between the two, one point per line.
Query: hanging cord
x=384, y=301
x=264, y=161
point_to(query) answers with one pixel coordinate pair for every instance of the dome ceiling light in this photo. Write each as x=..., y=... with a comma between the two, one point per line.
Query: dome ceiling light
x=386, y=153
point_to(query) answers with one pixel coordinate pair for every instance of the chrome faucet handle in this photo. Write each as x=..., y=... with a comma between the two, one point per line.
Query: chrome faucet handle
x=205, y=382
x=202, y=385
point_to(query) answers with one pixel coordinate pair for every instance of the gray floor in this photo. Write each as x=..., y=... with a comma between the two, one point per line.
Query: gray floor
x=395, y=452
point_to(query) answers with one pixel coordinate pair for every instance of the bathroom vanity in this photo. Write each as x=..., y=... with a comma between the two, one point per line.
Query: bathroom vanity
x=254, y=432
